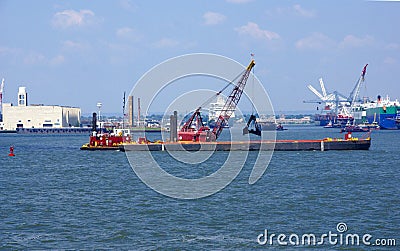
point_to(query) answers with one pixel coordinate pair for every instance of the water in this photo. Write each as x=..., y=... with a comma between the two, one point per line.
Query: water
x=54, y=196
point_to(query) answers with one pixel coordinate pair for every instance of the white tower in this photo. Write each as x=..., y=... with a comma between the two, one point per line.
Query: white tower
x=22, y=96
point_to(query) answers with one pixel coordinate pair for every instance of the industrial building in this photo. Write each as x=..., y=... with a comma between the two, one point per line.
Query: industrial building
x=38, y=116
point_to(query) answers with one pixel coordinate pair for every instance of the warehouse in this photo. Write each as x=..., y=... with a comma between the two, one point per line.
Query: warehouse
x=38, y=116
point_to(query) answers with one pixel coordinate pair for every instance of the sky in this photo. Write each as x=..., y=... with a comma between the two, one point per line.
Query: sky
x=79, y=53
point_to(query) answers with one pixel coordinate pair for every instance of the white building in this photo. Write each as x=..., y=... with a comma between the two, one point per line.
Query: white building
x=38, y=116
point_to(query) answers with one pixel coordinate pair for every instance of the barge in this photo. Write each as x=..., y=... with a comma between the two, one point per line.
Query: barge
x=194, y=135
x=265, y=145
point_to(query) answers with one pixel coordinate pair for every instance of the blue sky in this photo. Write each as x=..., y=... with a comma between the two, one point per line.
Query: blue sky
x=79, y=53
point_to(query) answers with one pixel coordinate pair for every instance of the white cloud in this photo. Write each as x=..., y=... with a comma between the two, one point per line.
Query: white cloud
x=124, y=32
x=213, y=18
x=303, y=12
x=316, y=41
x=9, y=51
x=351, y=41
x=319, y=41
x=294, y=10
x=34, y=58
x=389, y=61
x=72, y=45
x=239, y=1
x=57, y=60
x=127, y=5
x=392, y=46
x=70, y=18
x=128, y=33
x=253, y=30
x=165, y=43
x=20, y=56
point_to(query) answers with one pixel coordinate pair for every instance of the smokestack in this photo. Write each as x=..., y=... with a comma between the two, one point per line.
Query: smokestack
x=130, y=111
x=173, y=127
x=138, y=116
x=94, y=122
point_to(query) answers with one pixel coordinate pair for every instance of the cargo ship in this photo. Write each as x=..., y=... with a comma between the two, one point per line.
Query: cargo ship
x=398, y=120
x=384, y=112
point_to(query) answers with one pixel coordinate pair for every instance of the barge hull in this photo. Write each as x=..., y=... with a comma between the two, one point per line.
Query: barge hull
x=281, y=145
x=100, y=148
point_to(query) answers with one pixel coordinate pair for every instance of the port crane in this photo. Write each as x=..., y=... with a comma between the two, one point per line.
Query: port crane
x=356, y=90
x=353, y=97
x=342, y=106
x=331, y=100
x=202, y=133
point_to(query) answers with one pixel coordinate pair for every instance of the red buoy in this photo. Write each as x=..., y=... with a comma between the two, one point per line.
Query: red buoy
x=11, y=154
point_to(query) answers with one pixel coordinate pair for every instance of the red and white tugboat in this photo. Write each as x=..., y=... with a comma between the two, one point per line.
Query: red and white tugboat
x=104, y=140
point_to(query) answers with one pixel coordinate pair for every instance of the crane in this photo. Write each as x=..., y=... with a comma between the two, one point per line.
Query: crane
x=356, y=91
x=330, y=99
x=202, y=133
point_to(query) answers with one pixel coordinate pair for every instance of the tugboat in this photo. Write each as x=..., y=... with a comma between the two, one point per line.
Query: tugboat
x=100, y=140
x=354, y=128
x=332, y=125
x=279, y=127
x=365, y=127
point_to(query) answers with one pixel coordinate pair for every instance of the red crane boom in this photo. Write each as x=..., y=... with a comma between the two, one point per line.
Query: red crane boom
x=202, y=133
x=232, y=101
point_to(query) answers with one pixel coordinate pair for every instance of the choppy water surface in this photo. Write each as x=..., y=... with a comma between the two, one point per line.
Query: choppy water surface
x=54, y=196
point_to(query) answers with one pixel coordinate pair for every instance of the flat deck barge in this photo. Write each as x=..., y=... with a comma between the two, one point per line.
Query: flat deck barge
x=278, y=145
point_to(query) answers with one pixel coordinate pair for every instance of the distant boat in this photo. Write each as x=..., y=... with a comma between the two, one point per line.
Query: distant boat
x=354, y=128
x=331, y=125
x=365, y=127
x=279, y=127
x=267, y=126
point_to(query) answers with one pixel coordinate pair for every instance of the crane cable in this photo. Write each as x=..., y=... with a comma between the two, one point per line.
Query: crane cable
x=252, y=94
